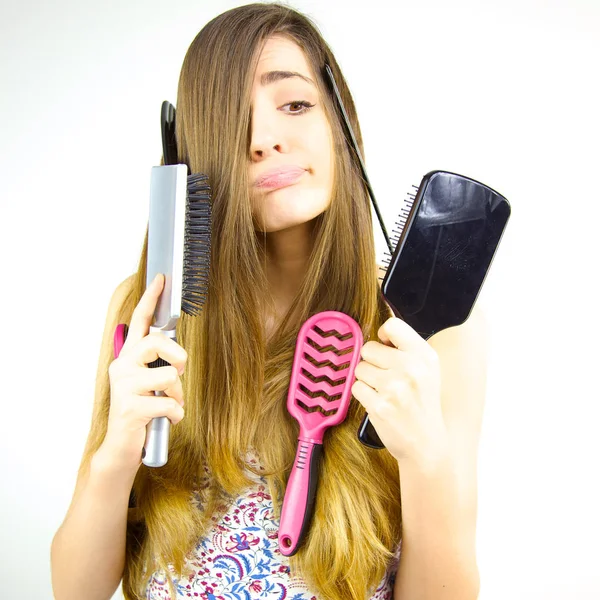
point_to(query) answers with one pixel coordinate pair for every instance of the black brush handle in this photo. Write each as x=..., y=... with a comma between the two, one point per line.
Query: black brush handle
x=313, y=478
x=368, y=436
x=299, y=498
x=167, y=130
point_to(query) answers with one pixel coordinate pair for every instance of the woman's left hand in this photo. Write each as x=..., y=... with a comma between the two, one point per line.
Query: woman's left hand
x=399, y=384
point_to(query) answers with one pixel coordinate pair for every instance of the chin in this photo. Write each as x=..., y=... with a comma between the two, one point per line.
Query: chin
x=312, y=208
x=272, y=226
x=274, y=222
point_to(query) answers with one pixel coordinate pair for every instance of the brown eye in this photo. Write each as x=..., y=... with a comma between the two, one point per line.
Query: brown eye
x=298, y=107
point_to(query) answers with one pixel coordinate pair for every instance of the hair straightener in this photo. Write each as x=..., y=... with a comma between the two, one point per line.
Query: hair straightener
x=445, y=241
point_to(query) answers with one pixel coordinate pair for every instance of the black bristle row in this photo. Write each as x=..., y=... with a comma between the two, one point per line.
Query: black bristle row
x=399, y=227
x=197, y=244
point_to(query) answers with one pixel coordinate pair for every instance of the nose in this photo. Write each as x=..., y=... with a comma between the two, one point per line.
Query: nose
x=260, y=150
x=266, y=136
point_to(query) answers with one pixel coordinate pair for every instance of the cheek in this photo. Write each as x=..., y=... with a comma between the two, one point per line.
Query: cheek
x=320, y=142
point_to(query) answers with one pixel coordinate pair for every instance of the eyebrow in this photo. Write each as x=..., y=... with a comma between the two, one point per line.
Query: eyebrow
x=274, y=76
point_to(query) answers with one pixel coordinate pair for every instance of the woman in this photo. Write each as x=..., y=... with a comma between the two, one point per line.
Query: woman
x=292, y=236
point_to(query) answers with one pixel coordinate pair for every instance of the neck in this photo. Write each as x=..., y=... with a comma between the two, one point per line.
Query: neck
x=287, y=252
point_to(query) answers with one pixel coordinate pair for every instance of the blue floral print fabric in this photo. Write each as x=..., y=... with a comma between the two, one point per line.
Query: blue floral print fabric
x=239, y=558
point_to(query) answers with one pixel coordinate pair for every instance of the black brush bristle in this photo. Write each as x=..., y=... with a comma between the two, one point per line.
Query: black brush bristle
x=197, y=241
x=399, y=228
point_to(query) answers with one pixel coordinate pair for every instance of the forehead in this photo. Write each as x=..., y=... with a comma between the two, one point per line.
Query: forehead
x=280, y=53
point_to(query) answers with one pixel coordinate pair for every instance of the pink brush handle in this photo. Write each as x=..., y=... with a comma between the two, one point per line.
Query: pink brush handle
x=119, y=338
x=299, y=499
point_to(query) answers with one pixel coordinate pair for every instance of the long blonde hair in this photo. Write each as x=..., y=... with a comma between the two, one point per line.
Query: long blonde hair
x=235, y=384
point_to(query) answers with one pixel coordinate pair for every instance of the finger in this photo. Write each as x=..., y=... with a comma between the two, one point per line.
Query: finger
x=402, y=336
x=176, y=391
x=143, y=313
x=366, y=395
x=391, y=361
x=157, y=345
x=391, y=383
x=169, y=388
x=164, y=379
x=152, y=407
x=370, y=374
x=379, y=355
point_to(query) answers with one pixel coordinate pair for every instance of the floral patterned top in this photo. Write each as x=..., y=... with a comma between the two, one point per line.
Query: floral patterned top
x=239, y=558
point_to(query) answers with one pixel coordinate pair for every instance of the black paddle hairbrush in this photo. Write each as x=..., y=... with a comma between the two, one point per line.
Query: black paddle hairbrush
x=445, y=240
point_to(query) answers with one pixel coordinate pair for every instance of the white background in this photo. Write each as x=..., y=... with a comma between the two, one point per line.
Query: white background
x=504, y=91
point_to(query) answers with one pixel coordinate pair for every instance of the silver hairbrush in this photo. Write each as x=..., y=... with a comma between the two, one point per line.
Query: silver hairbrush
x=179, y=241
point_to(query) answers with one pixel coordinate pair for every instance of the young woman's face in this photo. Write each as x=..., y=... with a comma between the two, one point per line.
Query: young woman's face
x=291, y=145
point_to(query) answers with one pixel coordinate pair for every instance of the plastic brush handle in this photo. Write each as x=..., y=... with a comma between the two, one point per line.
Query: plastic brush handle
x=299, y=499
x=327, y=352
x=119, y=338
x=156, y=447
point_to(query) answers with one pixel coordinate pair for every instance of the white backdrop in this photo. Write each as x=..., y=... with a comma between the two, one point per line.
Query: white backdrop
x=504, y=91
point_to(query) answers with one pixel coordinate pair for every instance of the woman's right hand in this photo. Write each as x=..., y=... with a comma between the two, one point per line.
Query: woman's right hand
x=132, y=384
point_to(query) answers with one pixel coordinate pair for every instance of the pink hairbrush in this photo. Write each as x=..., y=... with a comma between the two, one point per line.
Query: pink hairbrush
x=327, y=352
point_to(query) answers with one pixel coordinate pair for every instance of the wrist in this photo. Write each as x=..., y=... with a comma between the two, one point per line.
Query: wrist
x=434, y=459
x=107, y=467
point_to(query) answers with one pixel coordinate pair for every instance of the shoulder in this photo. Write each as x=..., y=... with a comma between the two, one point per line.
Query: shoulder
x=462, y=353
x=123, y=290
x=465, y=339
x=118, y=299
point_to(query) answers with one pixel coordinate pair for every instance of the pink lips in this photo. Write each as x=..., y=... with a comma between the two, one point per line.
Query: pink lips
x=279, y=177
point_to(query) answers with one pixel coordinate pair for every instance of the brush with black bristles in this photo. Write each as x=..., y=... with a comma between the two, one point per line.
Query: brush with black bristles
x=179, y=242
x=445, y=239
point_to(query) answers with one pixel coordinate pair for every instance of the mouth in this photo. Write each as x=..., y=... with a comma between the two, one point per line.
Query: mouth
x=278, y=178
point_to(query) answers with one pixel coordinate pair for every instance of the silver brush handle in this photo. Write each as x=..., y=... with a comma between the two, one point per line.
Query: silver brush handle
x=156, y=447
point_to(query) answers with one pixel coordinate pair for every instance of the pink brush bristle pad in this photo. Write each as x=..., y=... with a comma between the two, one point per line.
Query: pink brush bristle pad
x=327, y=352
